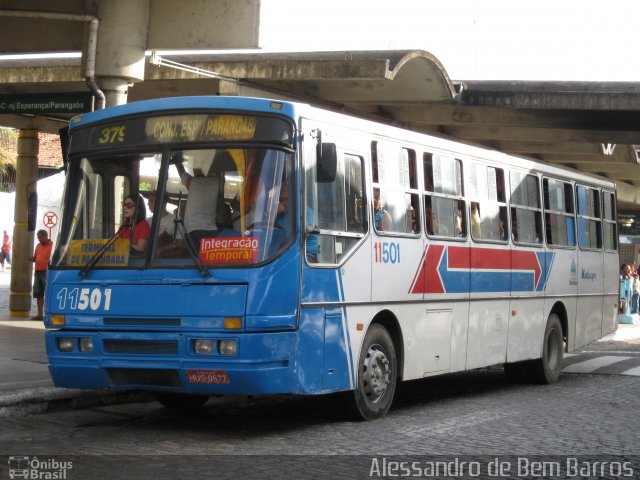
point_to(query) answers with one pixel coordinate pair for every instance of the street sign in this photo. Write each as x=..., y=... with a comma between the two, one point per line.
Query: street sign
x=50, y=220
x=40, y=103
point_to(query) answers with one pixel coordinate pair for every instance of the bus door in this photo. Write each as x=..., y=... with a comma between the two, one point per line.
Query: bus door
x=590, y=266
x=610, y=265
x=562, y=258
x=336, y=268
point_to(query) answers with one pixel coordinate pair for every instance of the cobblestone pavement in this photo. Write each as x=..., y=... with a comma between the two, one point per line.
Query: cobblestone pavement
x=476, y=415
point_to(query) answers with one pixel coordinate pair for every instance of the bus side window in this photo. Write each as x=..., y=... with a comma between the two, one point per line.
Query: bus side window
x=334, y=208
x=559, y=215
x=444, y=205
x=395, y=189
x=488, y=207
x=526, y=213
x=609, y=221
x=589, y=221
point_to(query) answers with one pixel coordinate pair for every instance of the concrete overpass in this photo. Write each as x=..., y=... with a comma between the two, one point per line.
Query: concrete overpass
x=592, y=127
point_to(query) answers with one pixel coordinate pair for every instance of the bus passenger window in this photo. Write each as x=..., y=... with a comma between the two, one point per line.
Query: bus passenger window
x=559, y=213
x=485, y=187
x=526, y=214
x=444, y=206
x=395, y=192
x=334, y=208
x=589, y=221
x=609, y=221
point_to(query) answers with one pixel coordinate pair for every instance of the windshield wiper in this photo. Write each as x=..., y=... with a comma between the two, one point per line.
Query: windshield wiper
x=179, y=226
x=100, y=253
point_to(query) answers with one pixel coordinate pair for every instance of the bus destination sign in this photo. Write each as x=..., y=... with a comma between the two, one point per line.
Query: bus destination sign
x=201, y=127
x=183, y=128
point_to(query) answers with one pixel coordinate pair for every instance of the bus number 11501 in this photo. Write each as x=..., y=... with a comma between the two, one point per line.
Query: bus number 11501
x=386, y=252
x=84, y=298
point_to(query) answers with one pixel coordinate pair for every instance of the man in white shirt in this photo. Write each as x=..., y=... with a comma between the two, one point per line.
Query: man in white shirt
x=201, y=204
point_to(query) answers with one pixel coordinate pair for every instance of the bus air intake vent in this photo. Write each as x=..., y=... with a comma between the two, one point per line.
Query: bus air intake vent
x=144, y=376
x=144, y=322
x=141, y=347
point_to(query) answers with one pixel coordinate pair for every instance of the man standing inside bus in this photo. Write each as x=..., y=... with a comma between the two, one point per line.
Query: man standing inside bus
x=41, y=259
x=200, y=215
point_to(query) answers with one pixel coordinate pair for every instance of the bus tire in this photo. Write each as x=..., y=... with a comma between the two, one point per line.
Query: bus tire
x=546, y=370
x=181, y=401
x=376, y=375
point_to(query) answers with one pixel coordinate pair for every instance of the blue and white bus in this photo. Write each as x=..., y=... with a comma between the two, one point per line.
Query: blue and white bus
x=283, y=248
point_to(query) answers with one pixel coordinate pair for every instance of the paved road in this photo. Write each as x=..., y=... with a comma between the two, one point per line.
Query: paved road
x=5, y=281
x=463, y=415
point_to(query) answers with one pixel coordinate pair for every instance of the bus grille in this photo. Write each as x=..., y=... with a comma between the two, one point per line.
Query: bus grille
x=146, y=322
x=141, y=347
x=144, y=376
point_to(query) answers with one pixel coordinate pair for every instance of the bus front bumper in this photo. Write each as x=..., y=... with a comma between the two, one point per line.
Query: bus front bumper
x=263, y=363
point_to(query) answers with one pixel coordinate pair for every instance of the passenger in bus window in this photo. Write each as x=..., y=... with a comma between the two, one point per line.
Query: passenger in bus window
x=282, y=215
x=311, y=248
x=476, y=231
x=167, y=242
x=458, y=229
x=135, y=214
x=410, y=219
x=382, y=218
x=200, y=215
x=514, y=225
x=428, y=214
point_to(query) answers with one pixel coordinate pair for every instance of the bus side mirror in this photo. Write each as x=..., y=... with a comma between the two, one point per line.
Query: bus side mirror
x=32, y=211
x=327, y=159
x=64, y=145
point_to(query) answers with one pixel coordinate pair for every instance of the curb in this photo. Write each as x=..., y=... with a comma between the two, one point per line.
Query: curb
x=31, y=401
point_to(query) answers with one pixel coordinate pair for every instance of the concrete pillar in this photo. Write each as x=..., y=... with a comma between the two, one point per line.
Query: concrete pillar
x=115, y=90
x=23, y=239
x=122, y=41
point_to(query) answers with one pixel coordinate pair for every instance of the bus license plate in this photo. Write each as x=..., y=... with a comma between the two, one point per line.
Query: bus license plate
x=208, y=376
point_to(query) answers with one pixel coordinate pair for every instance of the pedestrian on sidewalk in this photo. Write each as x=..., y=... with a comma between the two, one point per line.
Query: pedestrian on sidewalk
x=5, y=253
x=41, y=259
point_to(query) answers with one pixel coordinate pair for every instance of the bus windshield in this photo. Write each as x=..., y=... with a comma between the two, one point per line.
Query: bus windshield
x=174, y=207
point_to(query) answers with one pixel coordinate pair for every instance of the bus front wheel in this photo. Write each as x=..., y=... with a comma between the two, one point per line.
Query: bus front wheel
x=181, y=401
x=546, y=369
x=376, y=375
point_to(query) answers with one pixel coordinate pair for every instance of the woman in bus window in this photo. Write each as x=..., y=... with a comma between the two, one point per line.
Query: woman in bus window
x=135, y=213
x=382, y=218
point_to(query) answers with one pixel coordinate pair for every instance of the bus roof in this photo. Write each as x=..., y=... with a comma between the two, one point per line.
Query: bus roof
x=205, y=102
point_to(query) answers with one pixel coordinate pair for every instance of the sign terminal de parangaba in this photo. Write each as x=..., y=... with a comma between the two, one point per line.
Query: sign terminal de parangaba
x=40, y=103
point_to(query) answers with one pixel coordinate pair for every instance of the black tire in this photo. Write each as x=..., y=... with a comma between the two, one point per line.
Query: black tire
x=546, y=370
x=181, y=401
x=377, y=375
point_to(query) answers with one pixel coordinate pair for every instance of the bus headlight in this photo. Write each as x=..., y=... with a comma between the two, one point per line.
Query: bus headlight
x=86, y=344
x=227, y=347
x=203, y=347
x=65, y=344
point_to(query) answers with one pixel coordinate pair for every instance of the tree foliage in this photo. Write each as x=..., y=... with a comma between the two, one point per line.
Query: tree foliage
x=8, y=147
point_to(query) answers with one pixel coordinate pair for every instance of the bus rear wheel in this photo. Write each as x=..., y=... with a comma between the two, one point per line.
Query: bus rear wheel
x=376, y=375
x=181, y=401
x=546, y=370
